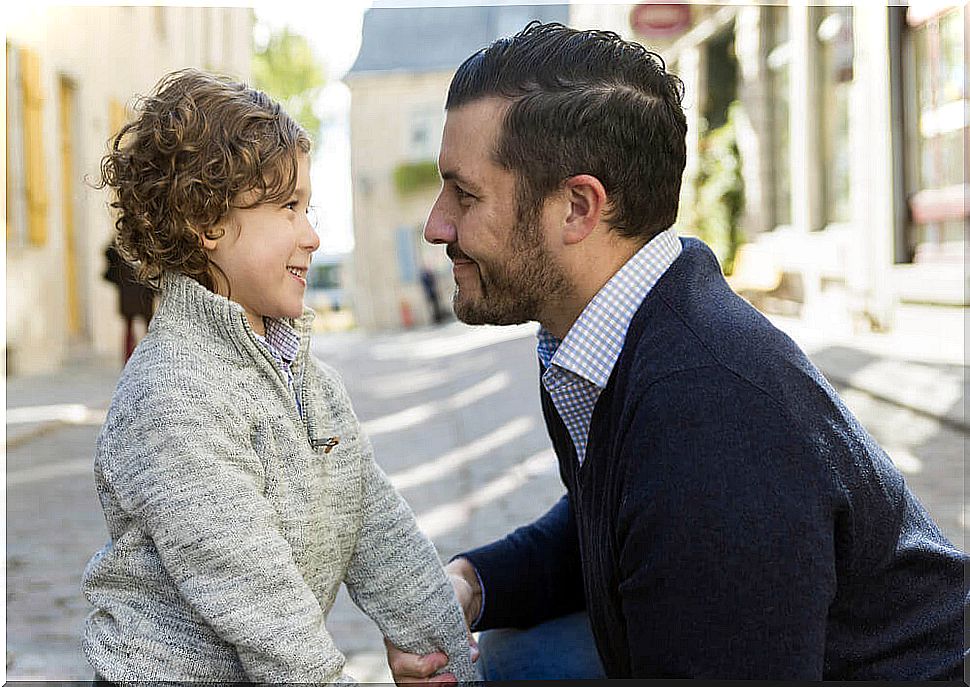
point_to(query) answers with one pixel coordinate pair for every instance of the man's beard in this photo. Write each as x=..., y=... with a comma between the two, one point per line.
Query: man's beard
x=518, y=289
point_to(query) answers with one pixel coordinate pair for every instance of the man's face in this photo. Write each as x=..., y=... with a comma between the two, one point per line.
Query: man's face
x=505, y=272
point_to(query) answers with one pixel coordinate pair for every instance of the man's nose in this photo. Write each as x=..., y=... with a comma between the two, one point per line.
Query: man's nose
x=439, y=228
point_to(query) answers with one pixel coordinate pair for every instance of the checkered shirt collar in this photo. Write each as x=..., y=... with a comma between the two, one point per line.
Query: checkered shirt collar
x=593, y=344
x=282, y=338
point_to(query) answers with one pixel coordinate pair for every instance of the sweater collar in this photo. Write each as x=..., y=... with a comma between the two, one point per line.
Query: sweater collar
x=186, y=299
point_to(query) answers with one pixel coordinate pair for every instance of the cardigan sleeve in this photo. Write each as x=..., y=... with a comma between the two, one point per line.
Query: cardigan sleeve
x=532, y=574
x=186, y=472
x=397, y=579
x=726, y=534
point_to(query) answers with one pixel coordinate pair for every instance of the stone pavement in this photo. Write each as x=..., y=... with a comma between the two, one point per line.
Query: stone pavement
x=454, y=418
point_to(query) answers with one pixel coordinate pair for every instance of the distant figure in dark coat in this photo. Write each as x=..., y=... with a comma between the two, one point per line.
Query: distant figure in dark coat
x=430, y=286
x=134, y=298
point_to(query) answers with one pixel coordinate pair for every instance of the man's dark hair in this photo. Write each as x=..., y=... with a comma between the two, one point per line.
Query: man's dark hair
x=585, y=102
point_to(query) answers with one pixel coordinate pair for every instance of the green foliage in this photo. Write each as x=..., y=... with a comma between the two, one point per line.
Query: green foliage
x=719, y=191
x=410, y=177
x=287, y=70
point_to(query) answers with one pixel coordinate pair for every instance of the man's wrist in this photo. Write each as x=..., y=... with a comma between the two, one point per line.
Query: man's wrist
x=463, y=568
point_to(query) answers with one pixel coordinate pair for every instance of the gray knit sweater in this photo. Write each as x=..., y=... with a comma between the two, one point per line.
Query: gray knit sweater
x=233, y=521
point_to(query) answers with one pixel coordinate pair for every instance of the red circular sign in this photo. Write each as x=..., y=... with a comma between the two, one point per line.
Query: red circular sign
x=659, y=20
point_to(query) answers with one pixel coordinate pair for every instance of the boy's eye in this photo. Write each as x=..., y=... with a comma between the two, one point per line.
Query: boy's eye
x=292, y=205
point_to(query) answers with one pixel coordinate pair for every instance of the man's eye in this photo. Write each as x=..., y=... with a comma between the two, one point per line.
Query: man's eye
x=463, y=194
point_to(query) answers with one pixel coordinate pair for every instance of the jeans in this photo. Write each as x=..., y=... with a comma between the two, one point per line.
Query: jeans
x=561, y=648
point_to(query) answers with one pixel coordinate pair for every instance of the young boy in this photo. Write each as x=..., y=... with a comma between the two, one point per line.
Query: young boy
x=238, y=490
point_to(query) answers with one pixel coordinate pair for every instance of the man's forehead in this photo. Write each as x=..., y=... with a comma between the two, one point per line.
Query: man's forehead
x=471, y=132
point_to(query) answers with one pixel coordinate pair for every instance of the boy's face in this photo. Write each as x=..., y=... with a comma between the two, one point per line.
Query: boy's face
x=265, y=253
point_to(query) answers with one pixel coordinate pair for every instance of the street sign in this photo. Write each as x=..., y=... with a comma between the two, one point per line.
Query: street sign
x=659, y=20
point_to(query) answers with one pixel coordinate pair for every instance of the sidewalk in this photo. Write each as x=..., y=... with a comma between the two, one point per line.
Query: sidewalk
x=453, y=416
x=918, y=365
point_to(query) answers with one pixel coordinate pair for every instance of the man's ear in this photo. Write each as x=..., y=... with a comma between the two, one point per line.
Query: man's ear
x=587, y=202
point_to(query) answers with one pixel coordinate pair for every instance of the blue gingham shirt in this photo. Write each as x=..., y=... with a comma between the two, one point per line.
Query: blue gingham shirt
x=283, y=343
x=579, y=366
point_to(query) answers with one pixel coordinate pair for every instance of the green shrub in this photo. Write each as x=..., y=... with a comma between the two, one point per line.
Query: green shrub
x=410, y=177
x=719, y=191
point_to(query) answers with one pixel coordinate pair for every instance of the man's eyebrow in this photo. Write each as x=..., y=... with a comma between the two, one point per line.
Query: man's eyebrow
x=449, y=175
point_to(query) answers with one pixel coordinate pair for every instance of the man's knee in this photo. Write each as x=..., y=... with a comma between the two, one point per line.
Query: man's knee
x=556, y=649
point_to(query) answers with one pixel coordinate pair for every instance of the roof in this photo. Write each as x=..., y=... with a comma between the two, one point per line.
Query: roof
x=425, y=39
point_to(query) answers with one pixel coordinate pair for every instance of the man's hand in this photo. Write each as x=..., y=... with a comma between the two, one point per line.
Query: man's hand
x=412, y=668
x=465, y=583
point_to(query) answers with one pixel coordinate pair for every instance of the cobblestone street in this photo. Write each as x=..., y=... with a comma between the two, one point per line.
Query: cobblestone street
x=453, y=414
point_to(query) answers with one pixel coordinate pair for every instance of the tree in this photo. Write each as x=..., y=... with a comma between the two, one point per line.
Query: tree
x=716, y=211
x=286, y=69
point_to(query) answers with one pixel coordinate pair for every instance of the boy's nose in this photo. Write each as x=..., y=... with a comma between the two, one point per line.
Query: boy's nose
x=311, y=239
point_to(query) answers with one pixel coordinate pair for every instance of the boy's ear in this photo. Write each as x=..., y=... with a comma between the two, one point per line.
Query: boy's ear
x=587, y=201
x=212, y=236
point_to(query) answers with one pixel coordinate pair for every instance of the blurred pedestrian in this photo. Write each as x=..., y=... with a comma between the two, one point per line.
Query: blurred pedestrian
x=725, y=515
x=430, y=286
x=135, y=299
x=238, y=490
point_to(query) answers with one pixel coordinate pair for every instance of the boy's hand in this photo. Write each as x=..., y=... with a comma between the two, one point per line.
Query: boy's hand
x=414, y=669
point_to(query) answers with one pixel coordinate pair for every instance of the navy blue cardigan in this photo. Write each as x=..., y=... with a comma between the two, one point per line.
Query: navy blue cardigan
x=732, y=519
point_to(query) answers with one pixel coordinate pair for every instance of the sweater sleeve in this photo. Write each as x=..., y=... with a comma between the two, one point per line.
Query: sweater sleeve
x=397, y=579
x=532, y=574
x=726, y=534
x=188, y=475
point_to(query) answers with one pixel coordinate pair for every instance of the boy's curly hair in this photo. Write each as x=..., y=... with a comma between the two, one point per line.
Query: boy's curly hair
x=181, y=165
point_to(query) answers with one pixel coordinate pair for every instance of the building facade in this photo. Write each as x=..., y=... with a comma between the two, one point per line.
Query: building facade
x=850, y=132
x=71, y=75
x=398, y=86
x=827, y=159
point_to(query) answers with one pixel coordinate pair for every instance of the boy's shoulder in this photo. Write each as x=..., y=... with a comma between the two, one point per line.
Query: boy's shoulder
x=185, y=369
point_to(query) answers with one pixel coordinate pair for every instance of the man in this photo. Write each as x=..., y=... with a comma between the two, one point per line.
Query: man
x=726, y=516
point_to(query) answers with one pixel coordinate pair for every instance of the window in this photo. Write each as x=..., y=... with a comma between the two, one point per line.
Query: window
x=159, y=20
x=407, y=242
x=16, y=192
x=779, y=58
x=938, y=119
x=424, y=134
x=835, y=47
x=27, y=201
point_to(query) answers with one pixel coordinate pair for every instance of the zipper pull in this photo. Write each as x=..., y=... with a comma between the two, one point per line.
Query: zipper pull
x=326, y=444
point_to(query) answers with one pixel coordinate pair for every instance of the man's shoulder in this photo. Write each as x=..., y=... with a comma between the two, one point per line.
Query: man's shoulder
x=695, y=321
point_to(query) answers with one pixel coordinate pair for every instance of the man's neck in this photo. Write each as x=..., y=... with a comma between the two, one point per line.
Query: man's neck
x=589, y=269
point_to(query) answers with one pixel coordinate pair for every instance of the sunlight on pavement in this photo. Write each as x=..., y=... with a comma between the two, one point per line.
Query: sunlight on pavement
x=406, y=382
x=929, y=389
x=72, y=413
x=450, y=344
x=81, y=466
x=409, y=417
x=450, y=516
x=433, y=469
x=905, y=461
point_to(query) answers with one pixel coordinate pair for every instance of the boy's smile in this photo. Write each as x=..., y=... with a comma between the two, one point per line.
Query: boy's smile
x=265, y=254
